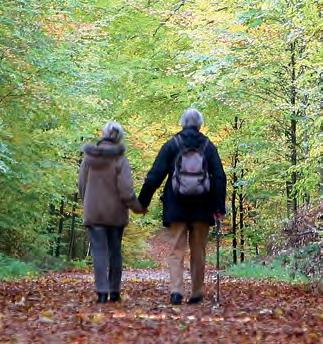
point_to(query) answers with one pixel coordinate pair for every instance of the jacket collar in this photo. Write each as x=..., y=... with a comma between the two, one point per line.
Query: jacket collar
x=104, y=149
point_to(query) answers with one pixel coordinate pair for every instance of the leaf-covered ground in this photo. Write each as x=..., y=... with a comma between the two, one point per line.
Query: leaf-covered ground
x=61, y=308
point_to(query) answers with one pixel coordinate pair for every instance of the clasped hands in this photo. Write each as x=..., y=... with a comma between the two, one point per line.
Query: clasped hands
x=143, y=211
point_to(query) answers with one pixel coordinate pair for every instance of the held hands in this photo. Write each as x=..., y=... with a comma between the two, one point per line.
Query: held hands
x=139, y=208
x=142, y=211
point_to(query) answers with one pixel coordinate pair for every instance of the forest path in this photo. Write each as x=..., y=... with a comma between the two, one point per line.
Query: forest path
x=61, y=308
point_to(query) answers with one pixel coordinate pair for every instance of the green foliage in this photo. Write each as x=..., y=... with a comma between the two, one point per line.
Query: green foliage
x=47, y=263
x=80, y=264
x=134, y=244
x=305, y=260
x=293, y=265
x=273, y=271
x=11, y=268
x=66, y=70
x=257, y=62
x=225, y=257
x=140, y=263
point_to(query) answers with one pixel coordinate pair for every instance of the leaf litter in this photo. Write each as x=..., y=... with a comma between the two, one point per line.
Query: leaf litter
x=61, y=308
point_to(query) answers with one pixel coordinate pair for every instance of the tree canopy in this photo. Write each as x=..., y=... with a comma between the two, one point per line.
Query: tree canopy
x=252, y=67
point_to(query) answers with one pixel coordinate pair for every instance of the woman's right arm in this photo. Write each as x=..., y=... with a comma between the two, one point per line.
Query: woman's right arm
x=125, y=186
x=83, y=174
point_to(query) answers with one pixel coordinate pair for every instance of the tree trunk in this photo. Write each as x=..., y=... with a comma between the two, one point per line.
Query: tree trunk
x=241, y=222
x=307, y=198
x=60, y=229
x=292, y=133
x=320, y=164
x=234, y=197
x=71, y=249
x=234, y=221
x=51, y=228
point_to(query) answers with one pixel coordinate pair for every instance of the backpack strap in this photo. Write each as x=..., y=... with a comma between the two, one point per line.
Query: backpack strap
x=204, y=145
x=179, y=141
x=205, y=163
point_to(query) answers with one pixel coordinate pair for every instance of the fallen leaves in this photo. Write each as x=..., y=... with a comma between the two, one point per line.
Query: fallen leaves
x=61, y=308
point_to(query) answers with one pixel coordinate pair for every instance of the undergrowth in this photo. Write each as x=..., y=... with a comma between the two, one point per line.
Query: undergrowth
x=141, y=263
x=296, y=265
x=273, y=270
x=11, y=268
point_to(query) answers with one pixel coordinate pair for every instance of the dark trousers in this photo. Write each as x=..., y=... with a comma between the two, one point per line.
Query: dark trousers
x=107, y=258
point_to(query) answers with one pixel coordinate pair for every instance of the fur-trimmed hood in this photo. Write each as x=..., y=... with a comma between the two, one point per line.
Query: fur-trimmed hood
x=102, y=154
x=106, y=186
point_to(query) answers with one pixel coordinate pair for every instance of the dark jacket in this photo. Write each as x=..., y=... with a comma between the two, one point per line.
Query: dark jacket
x=189, y=210
x=105, y=185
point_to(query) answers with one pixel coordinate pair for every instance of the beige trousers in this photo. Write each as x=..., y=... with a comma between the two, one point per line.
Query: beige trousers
x=197, y=234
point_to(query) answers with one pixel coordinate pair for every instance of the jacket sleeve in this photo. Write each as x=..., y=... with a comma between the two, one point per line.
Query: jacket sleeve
x=83, y=174
x=219, y=180
x=125, y=186
x=157, y=174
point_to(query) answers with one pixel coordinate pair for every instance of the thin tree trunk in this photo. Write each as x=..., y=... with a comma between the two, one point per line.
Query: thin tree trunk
x=71, y=249
x=234, y=222
x=307, y=197
x=320, y=164
x=51, y=228
x=294, y=163
x=60, y=229
x=291, y=195
x=234, y=197
x=241, y=222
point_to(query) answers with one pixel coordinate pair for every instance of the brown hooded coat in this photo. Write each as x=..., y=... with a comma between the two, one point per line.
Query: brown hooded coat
x=106, y=186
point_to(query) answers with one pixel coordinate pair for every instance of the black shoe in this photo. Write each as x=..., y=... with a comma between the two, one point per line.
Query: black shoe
x=176, y=298
x=195, y=299
x=102, y=297
x=115, y=296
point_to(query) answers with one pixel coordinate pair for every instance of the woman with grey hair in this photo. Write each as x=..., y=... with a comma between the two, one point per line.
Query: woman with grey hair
x=193, y=197
x=106, y=188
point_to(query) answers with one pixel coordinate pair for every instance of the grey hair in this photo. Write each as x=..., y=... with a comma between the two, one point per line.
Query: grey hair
x=192, y=118
x=113, y=131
